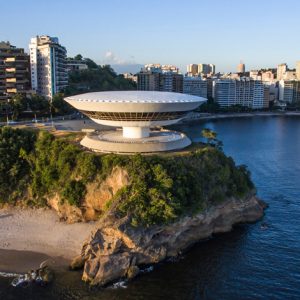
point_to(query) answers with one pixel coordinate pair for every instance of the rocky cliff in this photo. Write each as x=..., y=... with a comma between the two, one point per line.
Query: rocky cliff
x=116, y=249
x=98, y=193
x=148, y=207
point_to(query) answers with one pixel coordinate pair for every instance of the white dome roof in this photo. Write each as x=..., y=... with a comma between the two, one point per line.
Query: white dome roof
x=136, y=97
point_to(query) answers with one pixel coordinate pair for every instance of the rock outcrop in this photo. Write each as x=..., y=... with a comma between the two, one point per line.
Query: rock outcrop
x=116, y=249
x=97, y=195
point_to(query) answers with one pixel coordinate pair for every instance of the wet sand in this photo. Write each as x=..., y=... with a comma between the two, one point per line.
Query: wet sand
x=13, y=261
x=29, y=236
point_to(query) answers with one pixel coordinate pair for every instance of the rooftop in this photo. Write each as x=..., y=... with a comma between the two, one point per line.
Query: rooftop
x=136, y=97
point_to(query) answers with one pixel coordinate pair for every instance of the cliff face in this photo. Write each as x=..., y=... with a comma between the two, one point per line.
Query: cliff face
x=93, y=204
x=116, y=249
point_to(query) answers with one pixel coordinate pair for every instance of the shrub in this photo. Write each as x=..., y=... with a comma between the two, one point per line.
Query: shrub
x=74, y=192
x=161, y=188
x=14, y=168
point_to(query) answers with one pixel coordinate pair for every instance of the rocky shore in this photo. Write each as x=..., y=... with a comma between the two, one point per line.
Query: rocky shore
x=116, y=249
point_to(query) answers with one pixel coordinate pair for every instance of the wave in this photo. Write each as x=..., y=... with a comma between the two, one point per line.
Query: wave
x=8, y=275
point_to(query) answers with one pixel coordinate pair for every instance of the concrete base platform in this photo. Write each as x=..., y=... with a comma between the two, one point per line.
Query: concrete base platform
x=114, y=142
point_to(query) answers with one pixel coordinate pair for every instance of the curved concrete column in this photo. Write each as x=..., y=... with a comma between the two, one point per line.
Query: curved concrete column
x=136, y=132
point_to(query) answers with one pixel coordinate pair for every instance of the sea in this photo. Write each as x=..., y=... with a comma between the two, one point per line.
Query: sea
x=253, y=261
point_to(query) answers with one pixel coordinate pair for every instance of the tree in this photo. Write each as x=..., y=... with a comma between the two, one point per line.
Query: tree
x=209, y=134
x=59, y=105
x=90, y=63
x=211, y=137
x=97, y=78
x=17, y=105
x=210, y=106
x=38, y=103
x=78, y=57
x=14, y=168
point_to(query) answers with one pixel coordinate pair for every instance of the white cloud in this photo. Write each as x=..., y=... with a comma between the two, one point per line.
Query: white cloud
x=111, y=58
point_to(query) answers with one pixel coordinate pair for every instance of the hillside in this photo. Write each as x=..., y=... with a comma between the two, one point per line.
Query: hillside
x=38, y=169
x=147, y=208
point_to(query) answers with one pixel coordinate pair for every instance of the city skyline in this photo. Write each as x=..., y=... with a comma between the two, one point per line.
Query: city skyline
x=196, y=33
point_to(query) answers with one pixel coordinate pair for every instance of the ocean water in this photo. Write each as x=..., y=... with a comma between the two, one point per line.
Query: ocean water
x=252, y=261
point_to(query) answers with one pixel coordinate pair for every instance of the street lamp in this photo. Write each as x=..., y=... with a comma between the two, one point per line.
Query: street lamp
x=51, y=118
x=7, y=107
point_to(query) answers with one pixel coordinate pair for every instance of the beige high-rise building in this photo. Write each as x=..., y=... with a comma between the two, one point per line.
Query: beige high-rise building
x=267, y=76
x=192, y=69
x=212, y=69
x=241, y=68
x=298, y=69
x=290, y=75
x=281, y=69
x=255, y=74
x=159, y=80
x=204, y=69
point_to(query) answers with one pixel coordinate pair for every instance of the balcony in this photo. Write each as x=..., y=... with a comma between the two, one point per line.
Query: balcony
x=10, y=70
x=18, y=71
x=10, y=59
x=11, y=90
x=13, y=79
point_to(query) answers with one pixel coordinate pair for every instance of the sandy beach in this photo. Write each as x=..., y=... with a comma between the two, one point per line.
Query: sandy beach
x=37, y=234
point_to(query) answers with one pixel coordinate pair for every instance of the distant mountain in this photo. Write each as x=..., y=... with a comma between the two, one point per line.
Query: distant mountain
x=127, y=68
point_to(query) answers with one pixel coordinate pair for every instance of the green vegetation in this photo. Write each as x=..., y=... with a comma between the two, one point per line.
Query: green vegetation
x=14, y=169
x=164, y=188
x=210, y=106
x=96, y=78
x=34, y=166
x=293, y=106
x=211, y=137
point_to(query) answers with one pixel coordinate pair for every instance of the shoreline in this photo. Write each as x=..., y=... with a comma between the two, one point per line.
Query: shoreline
x=30, y=236
x=19, y=262
x=195, y=116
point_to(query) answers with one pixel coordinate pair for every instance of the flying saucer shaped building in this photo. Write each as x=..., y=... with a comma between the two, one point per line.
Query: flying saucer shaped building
x=136, y=112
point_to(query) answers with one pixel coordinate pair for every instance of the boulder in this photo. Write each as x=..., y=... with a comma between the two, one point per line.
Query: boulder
x=116, y=249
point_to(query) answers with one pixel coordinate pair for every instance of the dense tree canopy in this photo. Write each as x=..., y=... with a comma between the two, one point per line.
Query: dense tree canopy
x=161, y=188
x=96, y=78
x=14, y=169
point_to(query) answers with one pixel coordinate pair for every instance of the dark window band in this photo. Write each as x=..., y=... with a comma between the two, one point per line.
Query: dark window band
x=135, y=116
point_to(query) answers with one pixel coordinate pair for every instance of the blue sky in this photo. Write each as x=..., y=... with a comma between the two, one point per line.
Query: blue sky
x=262, y=33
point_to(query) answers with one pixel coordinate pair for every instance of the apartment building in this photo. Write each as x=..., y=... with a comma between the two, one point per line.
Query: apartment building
x=172, y=82
x=241, y=68
x=201, y=69
x=298, y=70
x=75, y=65
x=48, y=66
x=244, y=92
x=149, y=81
x=14, y=71
x=192, y=69
x=156, y=77
x=281, y=69
x=195, y=86
x=289, y=91
x=206, y=69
